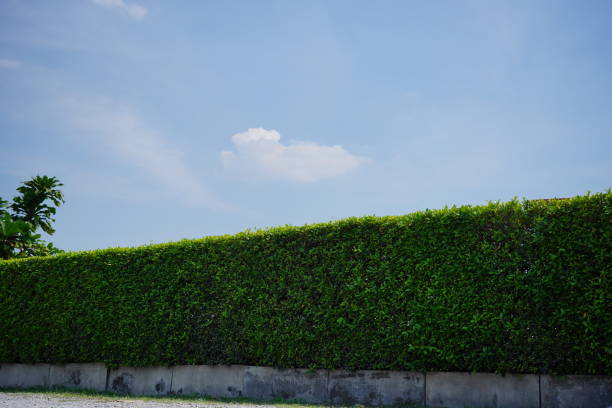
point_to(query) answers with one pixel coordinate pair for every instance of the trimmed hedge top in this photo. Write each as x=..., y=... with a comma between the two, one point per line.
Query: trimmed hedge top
x=506, y=287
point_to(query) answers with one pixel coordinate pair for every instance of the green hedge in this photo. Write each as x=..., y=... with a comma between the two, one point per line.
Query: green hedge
x=506, y=287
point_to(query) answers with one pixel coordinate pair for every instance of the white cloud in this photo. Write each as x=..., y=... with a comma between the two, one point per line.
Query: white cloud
x=9, y=63
x=259, y=154
x=132, y=141
x=131, y=9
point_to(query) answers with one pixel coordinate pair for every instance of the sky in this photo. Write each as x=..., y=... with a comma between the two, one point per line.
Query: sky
x=167, y=120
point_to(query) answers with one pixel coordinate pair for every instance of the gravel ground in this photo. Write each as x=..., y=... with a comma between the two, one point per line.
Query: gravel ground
x=37, y=400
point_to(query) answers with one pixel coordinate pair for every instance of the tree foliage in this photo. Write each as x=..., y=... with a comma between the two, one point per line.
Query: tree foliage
x=32, y=209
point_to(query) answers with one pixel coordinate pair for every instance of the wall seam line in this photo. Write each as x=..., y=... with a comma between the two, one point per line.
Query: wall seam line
x=107, y=378
x=49, y=378
x=327, y=391
x=540, y=390
x=244, y=372
x=171, y=379
x=425, y=389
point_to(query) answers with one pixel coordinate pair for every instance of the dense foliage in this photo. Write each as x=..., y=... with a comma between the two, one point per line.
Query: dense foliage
x=32, y=209
x=506, y=287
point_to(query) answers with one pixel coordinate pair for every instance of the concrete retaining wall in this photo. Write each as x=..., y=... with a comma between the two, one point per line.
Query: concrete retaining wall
x=140, y=381
x=376, y=387
x=218, y=381
x=79, y=376
x=24, y=375
x=576, y=391
x=450, y=390
x=480, y=390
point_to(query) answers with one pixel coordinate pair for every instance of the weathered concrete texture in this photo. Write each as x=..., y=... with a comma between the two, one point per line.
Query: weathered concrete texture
x=448, y=390
x=214, y=381
x=300, y=385
x=140, y=381
x=80, y=376
x=291, y=384
x=376, y=387
x=24, y=375
x=576, y=391
x=482, y=390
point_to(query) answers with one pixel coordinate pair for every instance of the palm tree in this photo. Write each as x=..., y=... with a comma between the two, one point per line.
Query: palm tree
x=30, y=206
x=33, y=208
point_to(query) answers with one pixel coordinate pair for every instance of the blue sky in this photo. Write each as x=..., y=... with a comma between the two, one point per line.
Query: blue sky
x=169, y=120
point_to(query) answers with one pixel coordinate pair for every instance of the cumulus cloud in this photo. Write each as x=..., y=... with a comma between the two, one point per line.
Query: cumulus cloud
x=9, y=63
x=131, y=9
x=259, y=154
x=129, y=139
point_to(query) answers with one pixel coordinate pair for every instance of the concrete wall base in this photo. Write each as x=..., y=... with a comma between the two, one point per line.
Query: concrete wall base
x=218, y=381
x=79, y=376
x=480, y=390
x=576, y=391
x=24, y=375
x=140, y=380
x=449, y=390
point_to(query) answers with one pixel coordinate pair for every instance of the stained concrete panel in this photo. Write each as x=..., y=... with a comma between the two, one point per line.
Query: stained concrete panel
x=140, y=381
x=576, y=391
x=449, y=390
x=376, y=387
x=79, y=376
x=214, y=381
x=482, y=390
x=258, y=382
x=290, y=384
x=24, y=375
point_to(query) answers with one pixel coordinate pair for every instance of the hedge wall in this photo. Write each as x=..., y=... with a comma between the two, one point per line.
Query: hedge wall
x=506, y=287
